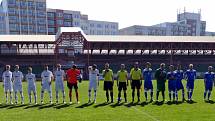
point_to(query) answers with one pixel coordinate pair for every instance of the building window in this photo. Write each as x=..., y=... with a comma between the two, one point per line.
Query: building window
x=23, y=12
x=41, y=5
x=51, y=30
x=24, y=28
x=99, y=26
x=24, y=20
x=67, y=24
x=41, y=21
x=23, y=4
x=106, y=26
x=41, y=29
x=60, y=22
x=41, y=13
x=59, y=15
x=12, y=11
x=51, y=22
x=31, y=13
x=31, y=5
x=31, y=20
x=67, y=16
x=50, y=14
x=91, y=25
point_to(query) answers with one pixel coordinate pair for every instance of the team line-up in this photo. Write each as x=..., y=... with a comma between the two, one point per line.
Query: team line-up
x=12, y=82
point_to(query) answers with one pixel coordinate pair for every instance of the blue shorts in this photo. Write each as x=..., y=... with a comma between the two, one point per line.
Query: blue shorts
x=209, y=87
x=190, y=85
x=148, y=85
x=179, y=85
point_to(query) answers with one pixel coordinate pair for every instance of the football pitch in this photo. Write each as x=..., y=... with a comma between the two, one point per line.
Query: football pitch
x=183, y=111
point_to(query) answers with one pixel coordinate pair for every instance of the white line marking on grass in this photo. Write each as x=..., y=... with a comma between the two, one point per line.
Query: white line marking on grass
x=145, y=113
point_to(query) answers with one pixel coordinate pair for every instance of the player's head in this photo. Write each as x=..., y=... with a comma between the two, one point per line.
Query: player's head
x=171, y=68
x=179, y=67
x=191, y=66
x=122, y=66
x=7, y=67
x=136, y=64
x=58, y=66
x=94, y=66
x=106, y=65
x=162, y=65
x=74, y=66
x=46, y=67
x=148, y=64
x=210, y=68
x=29, y=70
x=16, y=67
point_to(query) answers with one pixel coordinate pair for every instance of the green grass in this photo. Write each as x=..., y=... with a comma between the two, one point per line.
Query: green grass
x=198, y=111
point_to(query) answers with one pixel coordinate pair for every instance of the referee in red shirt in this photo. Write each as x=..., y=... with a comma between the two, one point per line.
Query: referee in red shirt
x=72, y=81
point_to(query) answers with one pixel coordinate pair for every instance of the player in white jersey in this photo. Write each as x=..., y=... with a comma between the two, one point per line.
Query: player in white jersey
x=59, y=75
x=94, y=81
x=7, y=83
x=30, y=78
x=47, y=77
x=17, y=83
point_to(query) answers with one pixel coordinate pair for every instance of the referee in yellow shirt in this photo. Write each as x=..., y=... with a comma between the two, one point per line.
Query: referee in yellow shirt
x=136, y=80
x=122, y=82
x=108, y=82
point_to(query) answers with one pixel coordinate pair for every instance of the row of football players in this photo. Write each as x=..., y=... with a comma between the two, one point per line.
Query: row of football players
x=174, y=78
x=12, y=82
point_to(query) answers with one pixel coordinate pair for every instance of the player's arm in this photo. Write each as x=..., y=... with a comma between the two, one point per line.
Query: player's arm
x=117, y=78
x=52, y=78
x=42, y=79
x=3, y=79
x=64, y=76
x=104, y=73
x=127, y=78
x=205, y=78
x=130, y=76
x=22, y=76
x=98, y=77
x=141, y=77
x=112, y=77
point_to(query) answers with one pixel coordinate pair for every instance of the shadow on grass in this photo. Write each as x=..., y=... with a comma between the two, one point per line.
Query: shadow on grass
x=17, y=106
x=116, y=105
x=33, y=106
x=191, y=102
x=101, y=105
x=60, y=106
x=145, y=103
x=210, y=102
x=85, y=105
x=132, y=104
x=4, y=105
x=158, y=103
x=45, y=106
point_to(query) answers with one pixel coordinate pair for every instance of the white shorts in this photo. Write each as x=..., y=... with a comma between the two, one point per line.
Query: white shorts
x=47, y=87
x=59, y=86
x=31, y=88
x=8, y=87
x=17, y=87
x=93, y=85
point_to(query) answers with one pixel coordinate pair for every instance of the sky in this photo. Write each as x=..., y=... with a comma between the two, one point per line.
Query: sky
x=138, y=12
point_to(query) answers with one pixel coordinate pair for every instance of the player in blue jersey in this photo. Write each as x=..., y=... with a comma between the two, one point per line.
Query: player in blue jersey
x=190, y=77
x=147, y=76
x=208, y=81
x=171, y=76
x=179, y=85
